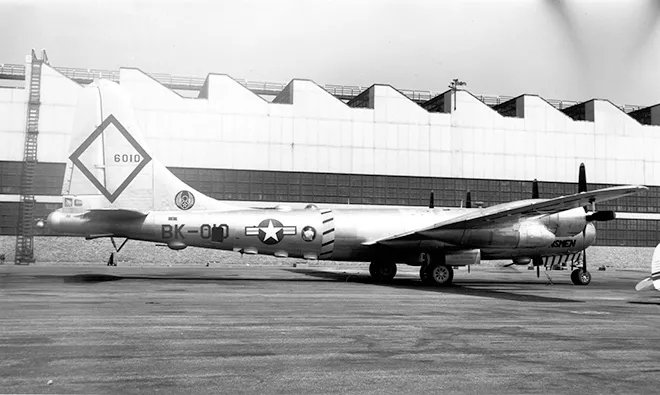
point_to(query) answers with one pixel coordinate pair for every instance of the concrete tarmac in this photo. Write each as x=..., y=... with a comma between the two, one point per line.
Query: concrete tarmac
x=238, y=329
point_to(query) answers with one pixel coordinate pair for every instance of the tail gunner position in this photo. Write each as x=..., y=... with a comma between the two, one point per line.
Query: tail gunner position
x=113, y=187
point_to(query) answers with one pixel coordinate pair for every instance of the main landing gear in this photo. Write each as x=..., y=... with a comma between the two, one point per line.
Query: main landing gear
x=382, y=271
x=440, y=275
x=435, y=272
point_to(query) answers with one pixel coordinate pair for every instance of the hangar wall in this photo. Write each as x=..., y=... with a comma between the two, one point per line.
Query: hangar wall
x=319, y=133
x=384, y=148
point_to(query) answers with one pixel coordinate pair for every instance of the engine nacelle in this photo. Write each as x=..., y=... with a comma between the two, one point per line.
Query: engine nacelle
x=534, y=234
x=566, y=223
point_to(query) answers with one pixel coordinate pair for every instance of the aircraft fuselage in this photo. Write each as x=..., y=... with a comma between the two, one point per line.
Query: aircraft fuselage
x=336, y=234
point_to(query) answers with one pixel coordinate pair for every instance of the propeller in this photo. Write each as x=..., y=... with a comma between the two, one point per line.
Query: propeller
x=537, y=261
x=582, y=187
x=601, y=216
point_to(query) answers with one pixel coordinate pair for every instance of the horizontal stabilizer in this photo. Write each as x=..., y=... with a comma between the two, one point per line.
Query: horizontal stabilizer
x=655, y=267
x=654, y=279
x=644, y=284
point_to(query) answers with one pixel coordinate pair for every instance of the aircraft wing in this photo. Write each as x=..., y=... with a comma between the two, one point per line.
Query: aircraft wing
x=508, y=211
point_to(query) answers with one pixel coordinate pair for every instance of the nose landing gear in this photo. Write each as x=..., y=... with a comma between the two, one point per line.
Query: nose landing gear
x=580, y=277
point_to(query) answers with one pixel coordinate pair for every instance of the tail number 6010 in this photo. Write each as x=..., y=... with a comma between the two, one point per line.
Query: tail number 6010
x=127, y=158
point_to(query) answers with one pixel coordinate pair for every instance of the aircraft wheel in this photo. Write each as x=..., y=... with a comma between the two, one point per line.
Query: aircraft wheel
x=424, y=275
x=382, y=271
x=580, y=277
x=440, y=275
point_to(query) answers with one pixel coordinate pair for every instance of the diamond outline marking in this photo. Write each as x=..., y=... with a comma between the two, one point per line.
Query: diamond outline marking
x=75, y=157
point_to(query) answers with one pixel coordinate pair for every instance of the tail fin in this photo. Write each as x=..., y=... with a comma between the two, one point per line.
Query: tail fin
x=110, y=165
x=654, y=279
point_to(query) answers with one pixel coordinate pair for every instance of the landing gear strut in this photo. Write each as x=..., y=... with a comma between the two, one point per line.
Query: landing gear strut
x=111, y=260
x=382, y=271
x=436, y=272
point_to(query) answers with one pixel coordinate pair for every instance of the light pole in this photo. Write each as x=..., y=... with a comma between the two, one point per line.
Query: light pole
x=454, y=85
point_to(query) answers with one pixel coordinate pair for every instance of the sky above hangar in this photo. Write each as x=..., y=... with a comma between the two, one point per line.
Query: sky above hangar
x=573, y=50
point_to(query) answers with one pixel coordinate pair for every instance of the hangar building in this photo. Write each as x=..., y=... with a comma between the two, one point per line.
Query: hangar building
x=302, y=142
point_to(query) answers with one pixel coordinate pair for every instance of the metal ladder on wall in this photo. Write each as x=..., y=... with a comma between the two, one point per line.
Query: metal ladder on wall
x=25, y=226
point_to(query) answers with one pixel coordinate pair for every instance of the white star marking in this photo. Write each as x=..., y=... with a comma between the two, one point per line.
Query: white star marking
x=270, y=231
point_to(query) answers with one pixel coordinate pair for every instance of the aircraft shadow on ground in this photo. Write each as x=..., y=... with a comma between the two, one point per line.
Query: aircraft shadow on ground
x=319, y=275
x=459, y=289
x=648, y=302
x=99, y=277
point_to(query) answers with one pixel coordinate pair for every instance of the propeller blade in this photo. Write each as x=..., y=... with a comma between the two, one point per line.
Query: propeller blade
x=431, y=201
x=584, y=252
x=537, y=261
x=582, y=179
x=468, y=200
x=535, y=189
x=602, y=216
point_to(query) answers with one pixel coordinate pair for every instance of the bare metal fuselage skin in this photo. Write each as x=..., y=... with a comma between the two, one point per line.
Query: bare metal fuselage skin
x=337, y=233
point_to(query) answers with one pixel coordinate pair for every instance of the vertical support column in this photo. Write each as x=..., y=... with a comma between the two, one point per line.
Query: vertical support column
x=25, y=225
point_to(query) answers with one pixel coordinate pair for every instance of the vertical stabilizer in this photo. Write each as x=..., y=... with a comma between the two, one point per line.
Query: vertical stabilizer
x=110, y=165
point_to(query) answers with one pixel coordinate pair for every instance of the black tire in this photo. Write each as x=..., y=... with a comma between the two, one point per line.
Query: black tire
x=440, y=275
x=373, y=271
x=580, y=277
x=424, y=275
x=383, y=271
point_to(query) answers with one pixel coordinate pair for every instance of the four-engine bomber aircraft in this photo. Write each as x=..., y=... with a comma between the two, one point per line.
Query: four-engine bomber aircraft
x=113, y=187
